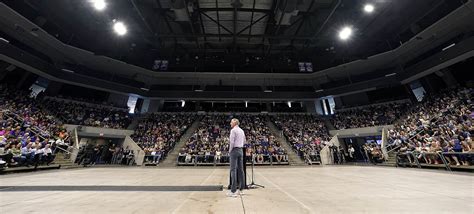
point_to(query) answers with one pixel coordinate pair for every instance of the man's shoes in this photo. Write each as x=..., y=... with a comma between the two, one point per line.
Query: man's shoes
x=232, y=194
x=241, y=192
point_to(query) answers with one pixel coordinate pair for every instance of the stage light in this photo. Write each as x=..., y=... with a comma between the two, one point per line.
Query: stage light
x=345, y=33
x=183, y=103
x=4, y=40
x=369, y=8
x=246, y=104
x=289, y=104
x=120, y=28
x=449, y=46
x=99, y=4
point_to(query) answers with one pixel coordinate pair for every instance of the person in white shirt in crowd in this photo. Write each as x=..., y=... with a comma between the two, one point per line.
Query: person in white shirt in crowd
x=48, y=155
x=38, y=155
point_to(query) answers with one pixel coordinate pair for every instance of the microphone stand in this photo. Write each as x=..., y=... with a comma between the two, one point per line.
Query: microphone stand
x=253, y=185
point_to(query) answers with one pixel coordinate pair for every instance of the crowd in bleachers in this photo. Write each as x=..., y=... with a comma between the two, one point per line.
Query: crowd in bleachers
x=158, y=133
x=440, y=124
x=307, y=134
x=91, y=101
x=80, y=113
x=377, y=115
x=28, y=135
x=210, y=142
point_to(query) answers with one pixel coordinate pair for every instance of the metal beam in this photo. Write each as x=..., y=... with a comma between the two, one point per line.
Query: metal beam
x=263, y=36
x=166, y=20
x=304, y=17
x=325, y=22
x=278, y=27
x=252, y=24
x=234, y=32
x=200, y=20
x=191, y=23
x=251, y=21
x=272, y=15
x=218, y=21
x=218, y=24
x=142, y=17
x=256, y=10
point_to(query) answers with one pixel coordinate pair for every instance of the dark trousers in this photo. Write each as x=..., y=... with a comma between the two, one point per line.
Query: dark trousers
x=236, y=169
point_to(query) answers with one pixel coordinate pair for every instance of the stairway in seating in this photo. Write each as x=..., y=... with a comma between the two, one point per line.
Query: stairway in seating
x=64, y=160
x=391, y=160
x=173, y=155
x=293, y=158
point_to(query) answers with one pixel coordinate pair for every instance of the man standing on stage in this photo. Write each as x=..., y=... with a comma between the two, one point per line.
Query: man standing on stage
x=236, y=143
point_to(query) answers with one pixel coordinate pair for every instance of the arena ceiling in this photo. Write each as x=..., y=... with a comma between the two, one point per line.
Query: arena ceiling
x=221, y=45
x=234, y=36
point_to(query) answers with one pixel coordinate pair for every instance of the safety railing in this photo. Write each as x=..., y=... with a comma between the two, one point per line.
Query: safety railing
x=395, y=147
x=211, y=160
x=469, y=156
x=18, y=119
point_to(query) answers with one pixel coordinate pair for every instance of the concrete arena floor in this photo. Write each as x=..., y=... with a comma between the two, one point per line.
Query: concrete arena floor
x=342, y=189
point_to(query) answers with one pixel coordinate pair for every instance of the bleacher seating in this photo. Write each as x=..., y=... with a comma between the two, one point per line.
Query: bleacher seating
x=209, y=144
x=437, y=130
x=158, y=133
x=307, y=134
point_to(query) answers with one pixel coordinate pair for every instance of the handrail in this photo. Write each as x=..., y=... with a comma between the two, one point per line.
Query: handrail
x=67, y=152
x=415, y=159
x=195, y=163
x=441, y=155
x=397, y=147
x=422, y=130
x=34, y=129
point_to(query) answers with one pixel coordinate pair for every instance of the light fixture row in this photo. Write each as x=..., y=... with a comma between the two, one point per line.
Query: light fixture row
x=346, y=32
x=119, y=27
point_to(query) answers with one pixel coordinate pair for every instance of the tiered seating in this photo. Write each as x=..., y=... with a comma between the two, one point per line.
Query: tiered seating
x=437, y=130
x=385, y=114
x=87, y=114
x=158, y=133
x=306, y=133
x=209, y=144
x=28, y=135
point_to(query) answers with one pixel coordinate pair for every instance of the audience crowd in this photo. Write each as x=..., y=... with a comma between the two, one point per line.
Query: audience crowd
x=158, y=133
x=28, y=135
x=384, y=114
x=210, y=142
x=80, y=113
x=441, y=123
x=307, y=134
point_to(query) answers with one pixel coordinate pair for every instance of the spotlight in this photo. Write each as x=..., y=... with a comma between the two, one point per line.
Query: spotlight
x=246, y=104
x=369, y=8
x=98, y=4
x=183, y=103
x=289, y=104
x=345, y=33
x=120, y=28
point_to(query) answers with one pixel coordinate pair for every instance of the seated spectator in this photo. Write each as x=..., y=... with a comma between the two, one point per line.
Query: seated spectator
x=48, y=155
x=161, y=131
x=305, y=133
x=439, y=125
x=210, y=142
x=377, y=115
